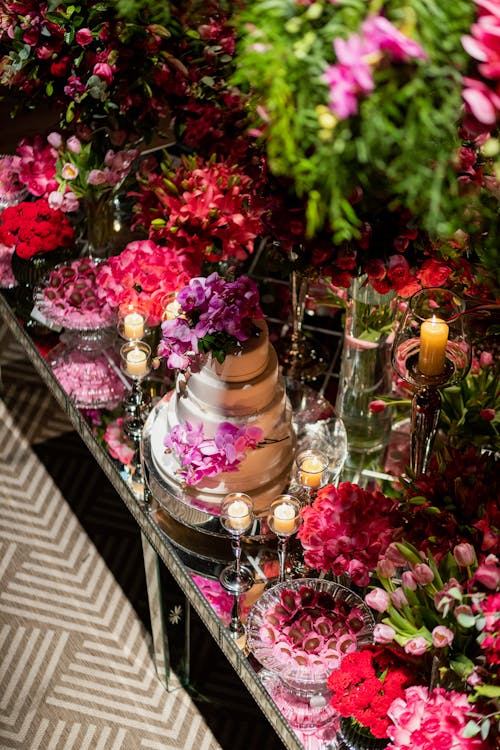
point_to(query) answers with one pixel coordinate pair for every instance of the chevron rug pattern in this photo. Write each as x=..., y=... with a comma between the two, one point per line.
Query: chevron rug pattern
x=75, y=664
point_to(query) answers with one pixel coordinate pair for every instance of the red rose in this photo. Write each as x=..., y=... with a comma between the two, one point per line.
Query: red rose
x=433, y=272
x=60, y=68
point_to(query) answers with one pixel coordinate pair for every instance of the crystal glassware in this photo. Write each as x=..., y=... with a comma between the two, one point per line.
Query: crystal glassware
x=283, y=519
x=236, y=518
x=431, y=350
x=132, y=322
x=136, y=364
x=311, y=470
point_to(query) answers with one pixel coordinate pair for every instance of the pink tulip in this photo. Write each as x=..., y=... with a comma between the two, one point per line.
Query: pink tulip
x=442, y=636
x=398, y=598
x=383, y=633
x=416, y=646
x=378, y=599
x=408, y=580
x=464, y=554
x=423, y=574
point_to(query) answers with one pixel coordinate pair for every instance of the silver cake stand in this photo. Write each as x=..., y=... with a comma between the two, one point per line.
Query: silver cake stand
x=191, y=521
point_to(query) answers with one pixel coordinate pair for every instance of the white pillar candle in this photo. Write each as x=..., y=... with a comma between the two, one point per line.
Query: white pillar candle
x=133, y=325
x=238, y=515
x=433, y=340
x=136, y=362
x=284, y=519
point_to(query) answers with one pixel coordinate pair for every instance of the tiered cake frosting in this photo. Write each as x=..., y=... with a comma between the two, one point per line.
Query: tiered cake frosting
x=246, y=390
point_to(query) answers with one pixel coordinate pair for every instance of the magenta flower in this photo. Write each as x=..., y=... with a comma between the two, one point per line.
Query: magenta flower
x=430, y=719
x=206, y=457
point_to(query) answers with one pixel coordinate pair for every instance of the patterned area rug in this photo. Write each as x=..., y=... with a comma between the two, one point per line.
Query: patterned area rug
x=67, y=468
x=75, y=663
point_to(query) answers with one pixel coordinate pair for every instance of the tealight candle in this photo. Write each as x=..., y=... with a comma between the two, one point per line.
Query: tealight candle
x=311, y=471
x=284, y=519
x=238, y=515
x=133, y=325
x=136, y=362
x=433, y=340
x=172, y=310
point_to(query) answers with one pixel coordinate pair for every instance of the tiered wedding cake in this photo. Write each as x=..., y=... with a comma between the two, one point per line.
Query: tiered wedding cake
x=233, y=416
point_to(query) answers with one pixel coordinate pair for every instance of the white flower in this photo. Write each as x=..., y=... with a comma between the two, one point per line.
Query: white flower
x=175, y=615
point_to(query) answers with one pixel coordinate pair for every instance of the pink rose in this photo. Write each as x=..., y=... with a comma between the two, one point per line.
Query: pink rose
x=104, y=72
x=383, y=633
x=83, y=37
x=377, y=599
x=442, y=636
x=416, y=646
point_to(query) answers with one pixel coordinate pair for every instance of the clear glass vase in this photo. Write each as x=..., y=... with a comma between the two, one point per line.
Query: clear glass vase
x=100, y=215
x=366, y=371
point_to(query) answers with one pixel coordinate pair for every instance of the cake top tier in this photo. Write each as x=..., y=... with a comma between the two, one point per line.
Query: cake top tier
x=215, y=316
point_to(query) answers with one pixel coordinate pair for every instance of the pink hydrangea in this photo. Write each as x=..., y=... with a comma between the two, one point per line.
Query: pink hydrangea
x=430, y=720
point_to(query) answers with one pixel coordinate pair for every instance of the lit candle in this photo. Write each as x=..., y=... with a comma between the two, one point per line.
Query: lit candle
x=133, y=325
x=136, y=362
x=238, y=515
x=172, y=310
x=284, y=519
x=433, y=340
x=311, y=471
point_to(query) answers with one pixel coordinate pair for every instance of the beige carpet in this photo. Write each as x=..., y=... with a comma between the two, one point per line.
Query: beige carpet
x=75, y=665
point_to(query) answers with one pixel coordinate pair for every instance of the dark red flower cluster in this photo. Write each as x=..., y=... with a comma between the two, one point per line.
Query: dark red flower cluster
x=462, y=503
x=34, y=228
x=366, y=684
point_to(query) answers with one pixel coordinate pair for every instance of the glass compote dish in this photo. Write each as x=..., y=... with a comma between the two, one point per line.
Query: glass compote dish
x=299, y=631
x=85, y=361
x=431, y=350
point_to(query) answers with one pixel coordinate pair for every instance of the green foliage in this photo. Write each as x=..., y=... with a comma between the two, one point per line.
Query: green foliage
x=400, y=145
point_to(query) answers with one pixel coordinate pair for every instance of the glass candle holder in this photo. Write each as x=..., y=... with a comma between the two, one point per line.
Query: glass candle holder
x=311, y=469
x=431, y=350
x=236, y=518
x=132, y=322
x=284, y=520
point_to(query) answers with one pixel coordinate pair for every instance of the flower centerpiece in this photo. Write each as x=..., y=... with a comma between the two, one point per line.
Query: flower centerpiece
x=145, y=275
x=381, y=114
x=213, y=316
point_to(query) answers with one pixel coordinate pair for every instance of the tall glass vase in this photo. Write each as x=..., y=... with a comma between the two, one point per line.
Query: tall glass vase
x=301, y=355
x=365, y=371
x=100, y=215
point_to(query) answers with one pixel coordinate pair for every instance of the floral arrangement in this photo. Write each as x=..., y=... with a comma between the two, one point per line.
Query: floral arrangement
x=214, y=315
x=312, y=629
x=201, y=457
x=145, y=275
x=207, y=205
x=95, y=67
x=70, y=297
x=11, y=187
x=381, y=124
x=82, y=170
x=345, y=530
x=34, y=228
x=366, y=684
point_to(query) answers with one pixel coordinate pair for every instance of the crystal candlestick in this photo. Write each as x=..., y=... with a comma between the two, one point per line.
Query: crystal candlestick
x=135, y=358
x=430, y=351
x=283, y=520
x=236, y=518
